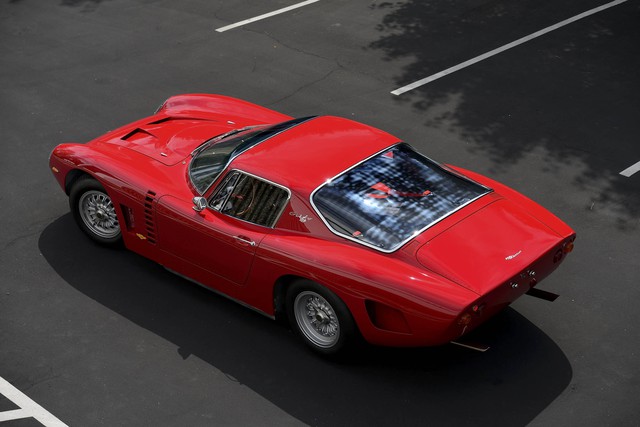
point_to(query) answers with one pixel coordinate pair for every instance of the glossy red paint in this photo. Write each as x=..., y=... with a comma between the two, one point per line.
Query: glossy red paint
x=422, y=294
x=306, y=156
x=473, y=255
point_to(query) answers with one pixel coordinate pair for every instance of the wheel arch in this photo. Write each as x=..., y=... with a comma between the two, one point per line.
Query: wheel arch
x=283, y=283
x=72, y=177
x=80, y=183
x=280, y=295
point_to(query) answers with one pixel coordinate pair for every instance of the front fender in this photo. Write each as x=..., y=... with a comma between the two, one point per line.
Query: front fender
x=190, y=105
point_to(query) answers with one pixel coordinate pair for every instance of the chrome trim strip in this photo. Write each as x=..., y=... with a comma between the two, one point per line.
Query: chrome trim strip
x=275, y=184
x=306, y=119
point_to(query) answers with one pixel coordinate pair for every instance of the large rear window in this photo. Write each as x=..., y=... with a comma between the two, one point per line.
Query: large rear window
x=390, y=198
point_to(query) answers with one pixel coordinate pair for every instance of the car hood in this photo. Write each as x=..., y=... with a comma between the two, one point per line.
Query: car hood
x=170, y=140
x=488, y=247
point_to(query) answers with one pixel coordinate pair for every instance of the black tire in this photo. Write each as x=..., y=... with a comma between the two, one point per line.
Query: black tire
x=94, y=212
x=320, y=318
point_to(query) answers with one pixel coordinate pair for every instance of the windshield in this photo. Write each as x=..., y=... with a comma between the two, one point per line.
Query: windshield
x=213, y=156
x=391, y=197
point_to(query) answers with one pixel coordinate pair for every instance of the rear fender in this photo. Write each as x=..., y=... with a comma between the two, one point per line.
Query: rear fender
x=534, y=209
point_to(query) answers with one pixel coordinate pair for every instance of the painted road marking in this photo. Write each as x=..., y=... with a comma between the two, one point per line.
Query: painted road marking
x=508, y=46
x=266, y=15
x=631, y=170
x=28, y=408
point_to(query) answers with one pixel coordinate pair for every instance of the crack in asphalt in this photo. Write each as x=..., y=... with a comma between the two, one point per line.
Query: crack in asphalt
x=40, y=228
x=303, y=87
x=337, y=66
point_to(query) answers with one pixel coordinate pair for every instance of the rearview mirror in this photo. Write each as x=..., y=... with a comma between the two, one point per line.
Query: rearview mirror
x=199, y=203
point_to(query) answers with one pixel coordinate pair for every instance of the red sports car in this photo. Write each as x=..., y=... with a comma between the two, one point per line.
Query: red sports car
x=337, y=226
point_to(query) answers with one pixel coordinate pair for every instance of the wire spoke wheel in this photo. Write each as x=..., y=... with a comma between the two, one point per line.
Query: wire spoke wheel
x=98, y=214
x=94, y=212
x=316, y=319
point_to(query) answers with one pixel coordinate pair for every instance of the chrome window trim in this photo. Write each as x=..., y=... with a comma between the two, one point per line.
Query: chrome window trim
x=217, y=190
x=407, y=240
x=275, y=184
x=231, y=159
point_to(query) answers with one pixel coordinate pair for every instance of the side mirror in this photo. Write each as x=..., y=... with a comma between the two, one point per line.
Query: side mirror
x=199, y=203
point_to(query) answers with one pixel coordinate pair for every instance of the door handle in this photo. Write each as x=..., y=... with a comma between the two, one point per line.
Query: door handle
x=246, y=240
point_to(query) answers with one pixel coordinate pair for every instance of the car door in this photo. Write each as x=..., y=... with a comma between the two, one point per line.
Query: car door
x=223, y=237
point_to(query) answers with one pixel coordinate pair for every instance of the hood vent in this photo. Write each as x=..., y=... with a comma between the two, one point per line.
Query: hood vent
x=190, y=119
x=137, y=134
x=169, y=141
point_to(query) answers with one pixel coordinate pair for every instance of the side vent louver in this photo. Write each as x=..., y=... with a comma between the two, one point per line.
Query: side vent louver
x=149, y=221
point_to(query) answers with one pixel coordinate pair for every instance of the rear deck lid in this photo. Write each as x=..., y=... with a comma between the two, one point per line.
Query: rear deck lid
x=487, y=248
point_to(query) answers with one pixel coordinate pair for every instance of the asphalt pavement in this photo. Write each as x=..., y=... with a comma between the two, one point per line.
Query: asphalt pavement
x=100, y=337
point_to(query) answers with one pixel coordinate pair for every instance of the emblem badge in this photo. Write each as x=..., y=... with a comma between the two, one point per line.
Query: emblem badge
x=510, y=257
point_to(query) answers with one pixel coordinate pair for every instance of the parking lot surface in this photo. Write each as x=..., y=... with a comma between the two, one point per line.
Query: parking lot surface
x=101, y=337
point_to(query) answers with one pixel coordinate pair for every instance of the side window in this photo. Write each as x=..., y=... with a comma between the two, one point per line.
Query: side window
x=224, y=191
x=250, y=199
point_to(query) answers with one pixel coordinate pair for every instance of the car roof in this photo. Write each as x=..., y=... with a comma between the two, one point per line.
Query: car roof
x=307, y=155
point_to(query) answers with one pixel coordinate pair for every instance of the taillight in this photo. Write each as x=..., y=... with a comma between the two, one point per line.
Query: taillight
x=470, y=315
x=465, y=320
x=568, y=247
x=478, y=308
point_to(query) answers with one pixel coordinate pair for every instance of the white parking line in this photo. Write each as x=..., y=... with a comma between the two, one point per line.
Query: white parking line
x=28, y=408
x=266, y=15
x=508, y=46
x=631, y=170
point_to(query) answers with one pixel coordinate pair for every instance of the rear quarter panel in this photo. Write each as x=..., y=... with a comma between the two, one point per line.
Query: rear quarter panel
x=357, y=274
x=534, y=209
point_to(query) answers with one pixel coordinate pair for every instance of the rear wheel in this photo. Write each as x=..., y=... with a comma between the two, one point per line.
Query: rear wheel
x=94, y=212
x=320, y=318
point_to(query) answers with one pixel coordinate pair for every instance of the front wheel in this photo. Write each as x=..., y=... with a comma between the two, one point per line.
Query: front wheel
x=320, y=318
x=94, y=212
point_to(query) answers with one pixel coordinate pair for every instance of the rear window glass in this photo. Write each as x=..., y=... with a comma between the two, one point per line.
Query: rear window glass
x=391, y=197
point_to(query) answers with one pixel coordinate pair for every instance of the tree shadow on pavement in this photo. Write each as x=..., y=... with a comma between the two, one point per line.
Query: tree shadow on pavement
x=510, y=384
x=570, y=97
x=86, y=5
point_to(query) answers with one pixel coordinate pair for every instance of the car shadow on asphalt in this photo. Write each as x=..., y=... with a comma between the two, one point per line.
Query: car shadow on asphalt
x=516, y=379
